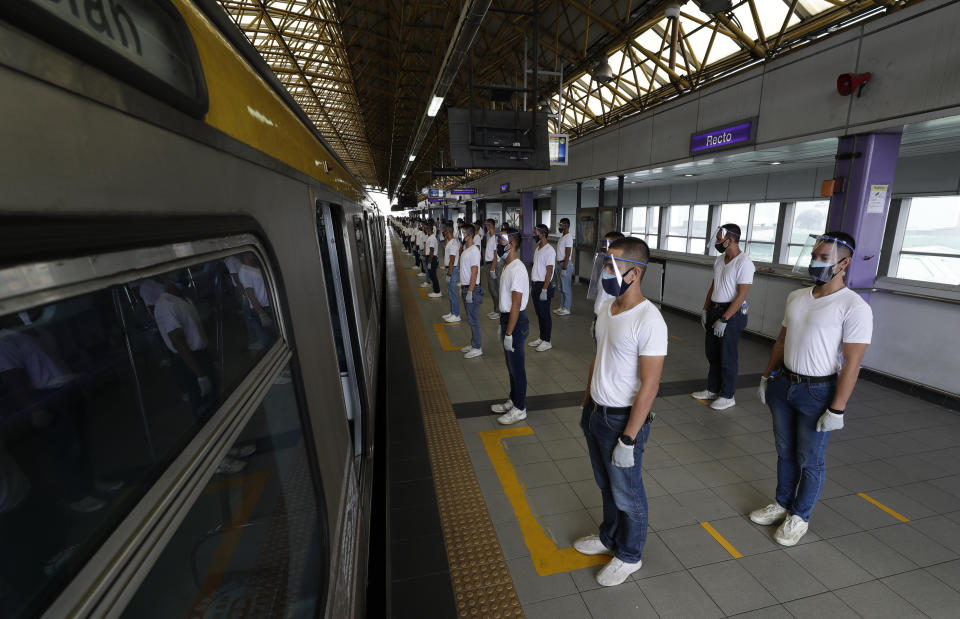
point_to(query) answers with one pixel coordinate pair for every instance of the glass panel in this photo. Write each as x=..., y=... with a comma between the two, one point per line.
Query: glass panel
x=98, y=394
x=545, y=217
x=809, y=217
x=736, y=214
x=639, y=220
x=676, y=243
x=653, y=220
x=795, y=253
x=940, y=269
x=699, y=229
x=761, y=252
x=253, y=544
x=652, y=241
x=933, y=226
x=366, y=277
x=765, y=217
x=679, y=220
x=698, y=246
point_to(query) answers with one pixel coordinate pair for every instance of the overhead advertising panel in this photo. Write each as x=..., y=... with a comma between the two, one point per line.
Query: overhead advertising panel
x=742, y=133
x=558, y=148
x=448, y=172
x=463, y=191
x=436, y=193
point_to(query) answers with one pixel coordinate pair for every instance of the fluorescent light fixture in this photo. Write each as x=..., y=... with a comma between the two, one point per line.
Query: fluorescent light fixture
x=775, y=162
x=689, y=175
x=413, y=157
x=435, y=104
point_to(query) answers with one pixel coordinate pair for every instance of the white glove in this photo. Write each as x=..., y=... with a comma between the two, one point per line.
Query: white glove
x=829, y=422
x=469, y=297
x=703, y=319
x=206, y=386
x=719, y=327
x=762, y=389
x=543, y=294
x=622, y=455
x=493, y=274
x=508, y=343
x=266, y=321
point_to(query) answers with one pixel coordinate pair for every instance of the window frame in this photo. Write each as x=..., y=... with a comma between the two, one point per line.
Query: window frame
x=894, y=236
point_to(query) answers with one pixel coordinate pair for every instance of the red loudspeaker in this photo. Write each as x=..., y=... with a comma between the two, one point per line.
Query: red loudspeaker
x=847, y=83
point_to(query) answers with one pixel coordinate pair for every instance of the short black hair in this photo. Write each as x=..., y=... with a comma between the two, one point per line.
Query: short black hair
x=613, y=235
x=542, y=228
x=490, y=220
x=632, y=248
x=843, y=237
x=469, y=228
x=734, y=228
x=565, y=220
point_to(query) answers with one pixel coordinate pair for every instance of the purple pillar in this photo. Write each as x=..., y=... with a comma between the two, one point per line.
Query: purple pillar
x=866, y=163
x=526, y=226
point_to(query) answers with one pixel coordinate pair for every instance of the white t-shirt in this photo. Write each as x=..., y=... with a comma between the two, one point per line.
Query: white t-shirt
x=171, y=313
x=233, y=264
x=452, y=248
x=150, y=290
x=19, y=351
x=542, y=258
x=421, y=237
x=514, y=279
x=491, y=248
x=431, y=243
x=621, y=341
x=565, y=241
x=602, y=297
x=469, y=258
x=818, y=328
x=726, y=277
x=251, y=277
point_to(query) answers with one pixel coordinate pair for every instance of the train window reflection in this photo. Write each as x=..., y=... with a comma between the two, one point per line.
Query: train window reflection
x=98, y=394
x=253, y=544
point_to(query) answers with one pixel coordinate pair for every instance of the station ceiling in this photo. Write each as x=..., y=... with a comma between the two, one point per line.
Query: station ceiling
x=364, y=70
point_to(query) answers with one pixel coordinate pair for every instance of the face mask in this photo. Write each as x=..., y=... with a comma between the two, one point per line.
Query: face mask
x=821, y=272
x=610, y=286
x=719, y=247
x=501, y=250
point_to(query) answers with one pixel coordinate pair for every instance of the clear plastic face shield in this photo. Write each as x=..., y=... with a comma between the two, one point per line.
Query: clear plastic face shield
x=503, y=243
x=721, y=238
x=823, y=258
x=596, y=272
x=615, y=269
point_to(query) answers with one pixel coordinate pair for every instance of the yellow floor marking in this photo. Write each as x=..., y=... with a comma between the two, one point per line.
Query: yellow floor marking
x=442, y=335
x=547, y=558
x=674, y=337
x=422, y=291
x=722, y=540
x=870, y=499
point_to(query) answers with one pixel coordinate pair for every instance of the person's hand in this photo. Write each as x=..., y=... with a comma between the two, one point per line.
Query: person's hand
x=762, y=389
x=703, y=319
x=543, y=294
x=206, y=386
x=622, y=455
x=469, y=297
x=829, y=421
x=508, y=343
x=266, y=321
x=719, y=327
x=493, y=274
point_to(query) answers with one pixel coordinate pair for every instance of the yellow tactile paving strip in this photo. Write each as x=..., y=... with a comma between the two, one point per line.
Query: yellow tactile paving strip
x=481, y=581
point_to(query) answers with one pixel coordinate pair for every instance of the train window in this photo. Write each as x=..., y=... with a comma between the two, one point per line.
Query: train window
x=254, y=544
x=98, y=394
x=366, y=276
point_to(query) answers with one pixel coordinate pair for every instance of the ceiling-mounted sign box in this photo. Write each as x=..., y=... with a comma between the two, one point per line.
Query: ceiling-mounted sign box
x=742, y=133
x=435, y=193
x=558, y=148
x=463, y=191
x=433, y=200
x=504, y=188
x=448, y=172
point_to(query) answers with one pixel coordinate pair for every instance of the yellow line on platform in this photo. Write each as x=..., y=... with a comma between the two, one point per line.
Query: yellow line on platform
x=870, y=499
x=674, y=337
x=547, y=558
x=442, y=335
x=722, y=540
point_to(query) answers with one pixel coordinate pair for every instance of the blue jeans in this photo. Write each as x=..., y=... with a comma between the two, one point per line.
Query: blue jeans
x=473, y=313
x=542, y=308
x=625, y=515
x=452, y=286
x=515, y=363
x=723, y=353
x=565, y=282
x=801, y=470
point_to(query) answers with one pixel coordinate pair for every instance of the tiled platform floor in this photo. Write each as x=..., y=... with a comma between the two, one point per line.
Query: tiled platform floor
x=702, y=466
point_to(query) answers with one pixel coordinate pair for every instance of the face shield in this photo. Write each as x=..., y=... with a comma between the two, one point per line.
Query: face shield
x=821, y=256
x=503, y=243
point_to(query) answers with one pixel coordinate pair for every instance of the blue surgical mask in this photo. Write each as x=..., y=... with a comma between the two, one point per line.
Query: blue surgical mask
x=821, y=272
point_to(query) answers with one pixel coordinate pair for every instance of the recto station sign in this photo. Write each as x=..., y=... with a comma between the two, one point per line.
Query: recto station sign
x=463, y=191
x=741, y=133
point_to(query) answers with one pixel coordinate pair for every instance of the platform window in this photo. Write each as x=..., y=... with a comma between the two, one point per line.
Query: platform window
x=809, y=217
x=644, y=224
x=366, y=273
x=930, y=247
x=678, y=228
x=763, y=231
x=698, y=228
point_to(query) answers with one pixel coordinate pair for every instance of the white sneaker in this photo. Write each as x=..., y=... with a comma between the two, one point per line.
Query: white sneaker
x=425, y=285
x=591, y=545
x=722, y=403
x=493, y=316
x=421, y=274
x=445, y=316
x=466, y=349
x=514, y=415
x=87, y=505
x=434, y=295
x=790, y=532
x=535, y=343
x=769, y=515
x=502, y=408
x=544, y=346
x=229, y=465
x=107, y=486
x=616, y=572
x=558, y=311
x=566, y=311
x=449, y=318
x=474, y=353
x=244, y=451
x=706, y=394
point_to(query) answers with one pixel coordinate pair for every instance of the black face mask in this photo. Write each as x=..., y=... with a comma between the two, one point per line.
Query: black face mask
x=501, y=250
x=719, y=247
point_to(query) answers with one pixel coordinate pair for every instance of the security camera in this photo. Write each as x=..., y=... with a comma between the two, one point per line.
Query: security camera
x=847, y=83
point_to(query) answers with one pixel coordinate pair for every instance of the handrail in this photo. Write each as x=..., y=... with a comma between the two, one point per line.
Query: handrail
x=914, y=295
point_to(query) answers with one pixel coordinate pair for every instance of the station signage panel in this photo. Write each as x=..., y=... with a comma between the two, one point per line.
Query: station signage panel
x=558, y=143
x=436, y=193
x=504, y=188
x=434, y=199
x=463, y=191
x=742, y=133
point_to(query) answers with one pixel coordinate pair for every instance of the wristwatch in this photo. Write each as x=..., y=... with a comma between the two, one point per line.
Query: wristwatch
x=626, y=440
x=722, y=319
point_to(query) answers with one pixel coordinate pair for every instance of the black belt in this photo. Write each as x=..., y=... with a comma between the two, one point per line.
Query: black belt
x=622, y=410
x=793, y=377
x=716, y=305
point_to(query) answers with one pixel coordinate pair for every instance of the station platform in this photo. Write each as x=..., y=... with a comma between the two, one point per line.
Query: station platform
x=483, y=516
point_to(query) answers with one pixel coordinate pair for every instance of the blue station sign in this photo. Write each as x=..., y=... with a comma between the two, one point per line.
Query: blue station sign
x=463, y=191
x=742, y=133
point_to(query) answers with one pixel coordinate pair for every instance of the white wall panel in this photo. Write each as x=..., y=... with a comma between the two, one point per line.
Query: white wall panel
x=683, y=193
x=930, y=175
x=659, y=194
x=713, y=191
x=747, y=187
x=791, y=185
x=635, y=143
x=686, y=285
x=671, y=132
x=736, y=102
x=606, y=154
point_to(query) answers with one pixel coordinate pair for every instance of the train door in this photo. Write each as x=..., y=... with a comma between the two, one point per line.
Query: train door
x=343, y=318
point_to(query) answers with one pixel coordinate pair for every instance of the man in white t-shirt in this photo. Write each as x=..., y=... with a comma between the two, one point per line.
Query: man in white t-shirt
x=544, y=264
x=431, y=252
x=258, y=301
x=420, y=238
x=565, y=268
x=815, y=364
x=602, y=295
x=471, y=289
x=494, y=268
x=451, y=261
x=514, y=294
x=724, y=317
x=624, y=380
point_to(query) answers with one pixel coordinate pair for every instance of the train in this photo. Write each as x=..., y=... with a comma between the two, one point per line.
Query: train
x=191, y=325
